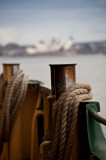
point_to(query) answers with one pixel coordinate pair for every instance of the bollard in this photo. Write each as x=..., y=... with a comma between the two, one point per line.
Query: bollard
x=62, y=77
x=9, y=70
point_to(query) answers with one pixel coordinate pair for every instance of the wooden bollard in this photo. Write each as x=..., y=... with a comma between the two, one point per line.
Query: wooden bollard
x=9, y=70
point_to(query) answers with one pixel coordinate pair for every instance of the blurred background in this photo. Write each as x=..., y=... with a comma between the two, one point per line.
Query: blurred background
x=36, y=33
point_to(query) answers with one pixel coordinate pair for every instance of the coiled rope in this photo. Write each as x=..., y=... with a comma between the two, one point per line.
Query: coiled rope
x=11, y=100
x=64, y=122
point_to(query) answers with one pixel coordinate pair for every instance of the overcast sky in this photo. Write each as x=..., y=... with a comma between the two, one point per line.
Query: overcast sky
x=28, y=21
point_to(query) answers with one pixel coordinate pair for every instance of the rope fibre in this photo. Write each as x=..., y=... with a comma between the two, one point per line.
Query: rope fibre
x=64, y=121
x=11, y=100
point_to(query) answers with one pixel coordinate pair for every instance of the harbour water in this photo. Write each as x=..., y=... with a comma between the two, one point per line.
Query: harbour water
x=89, y=69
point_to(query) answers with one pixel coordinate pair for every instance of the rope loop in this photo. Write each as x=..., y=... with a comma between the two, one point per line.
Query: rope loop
x=11, y=99
x=64, y=121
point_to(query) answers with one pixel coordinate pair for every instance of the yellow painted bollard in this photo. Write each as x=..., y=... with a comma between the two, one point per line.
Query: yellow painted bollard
x=8, y=71
x=19, y=145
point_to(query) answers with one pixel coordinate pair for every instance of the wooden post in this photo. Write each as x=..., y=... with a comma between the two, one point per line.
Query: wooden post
x=9, y=70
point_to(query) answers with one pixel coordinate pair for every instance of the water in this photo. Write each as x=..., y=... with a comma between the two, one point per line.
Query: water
x=89, y=69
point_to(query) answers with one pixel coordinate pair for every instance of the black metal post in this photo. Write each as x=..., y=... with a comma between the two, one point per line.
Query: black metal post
x=62, y=77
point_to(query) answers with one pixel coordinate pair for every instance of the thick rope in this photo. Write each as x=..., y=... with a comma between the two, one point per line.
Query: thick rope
x=64, y=122
x=11, y=100
x=3, y=85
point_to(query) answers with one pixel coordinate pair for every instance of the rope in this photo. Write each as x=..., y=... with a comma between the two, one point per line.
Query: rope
x=64, y=122
x=11, y=99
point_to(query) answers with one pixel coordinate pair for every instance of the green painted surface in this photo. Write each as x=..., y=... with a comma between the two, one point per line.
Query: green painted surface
x=97, y=140
x=36, y=82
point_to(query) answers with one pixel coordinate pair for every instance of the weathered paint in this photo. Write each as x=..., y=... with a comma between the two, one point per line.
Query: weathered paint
x=62, y=77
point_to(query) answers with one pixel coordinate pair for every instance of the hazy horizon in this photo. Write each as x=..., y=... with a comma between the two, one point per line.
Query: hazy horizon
x=27, y=22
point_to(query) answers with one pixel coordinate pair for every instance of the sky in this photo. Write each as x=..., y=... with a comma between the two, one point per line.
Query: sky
x=29, y=21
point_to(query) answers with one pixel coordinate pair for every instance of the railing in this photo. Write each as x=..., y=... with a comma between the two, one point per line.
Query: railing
x=96, y=138
x=97, y=117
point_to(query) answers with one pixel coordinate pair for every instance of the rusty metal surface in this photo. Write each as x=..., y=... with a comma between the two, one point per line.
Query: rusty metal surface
x=62, y=77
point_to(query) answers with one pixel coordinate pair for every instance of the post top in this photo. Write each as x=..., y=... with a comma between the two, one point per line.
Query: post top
x=58, y=65
x=10, y=64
